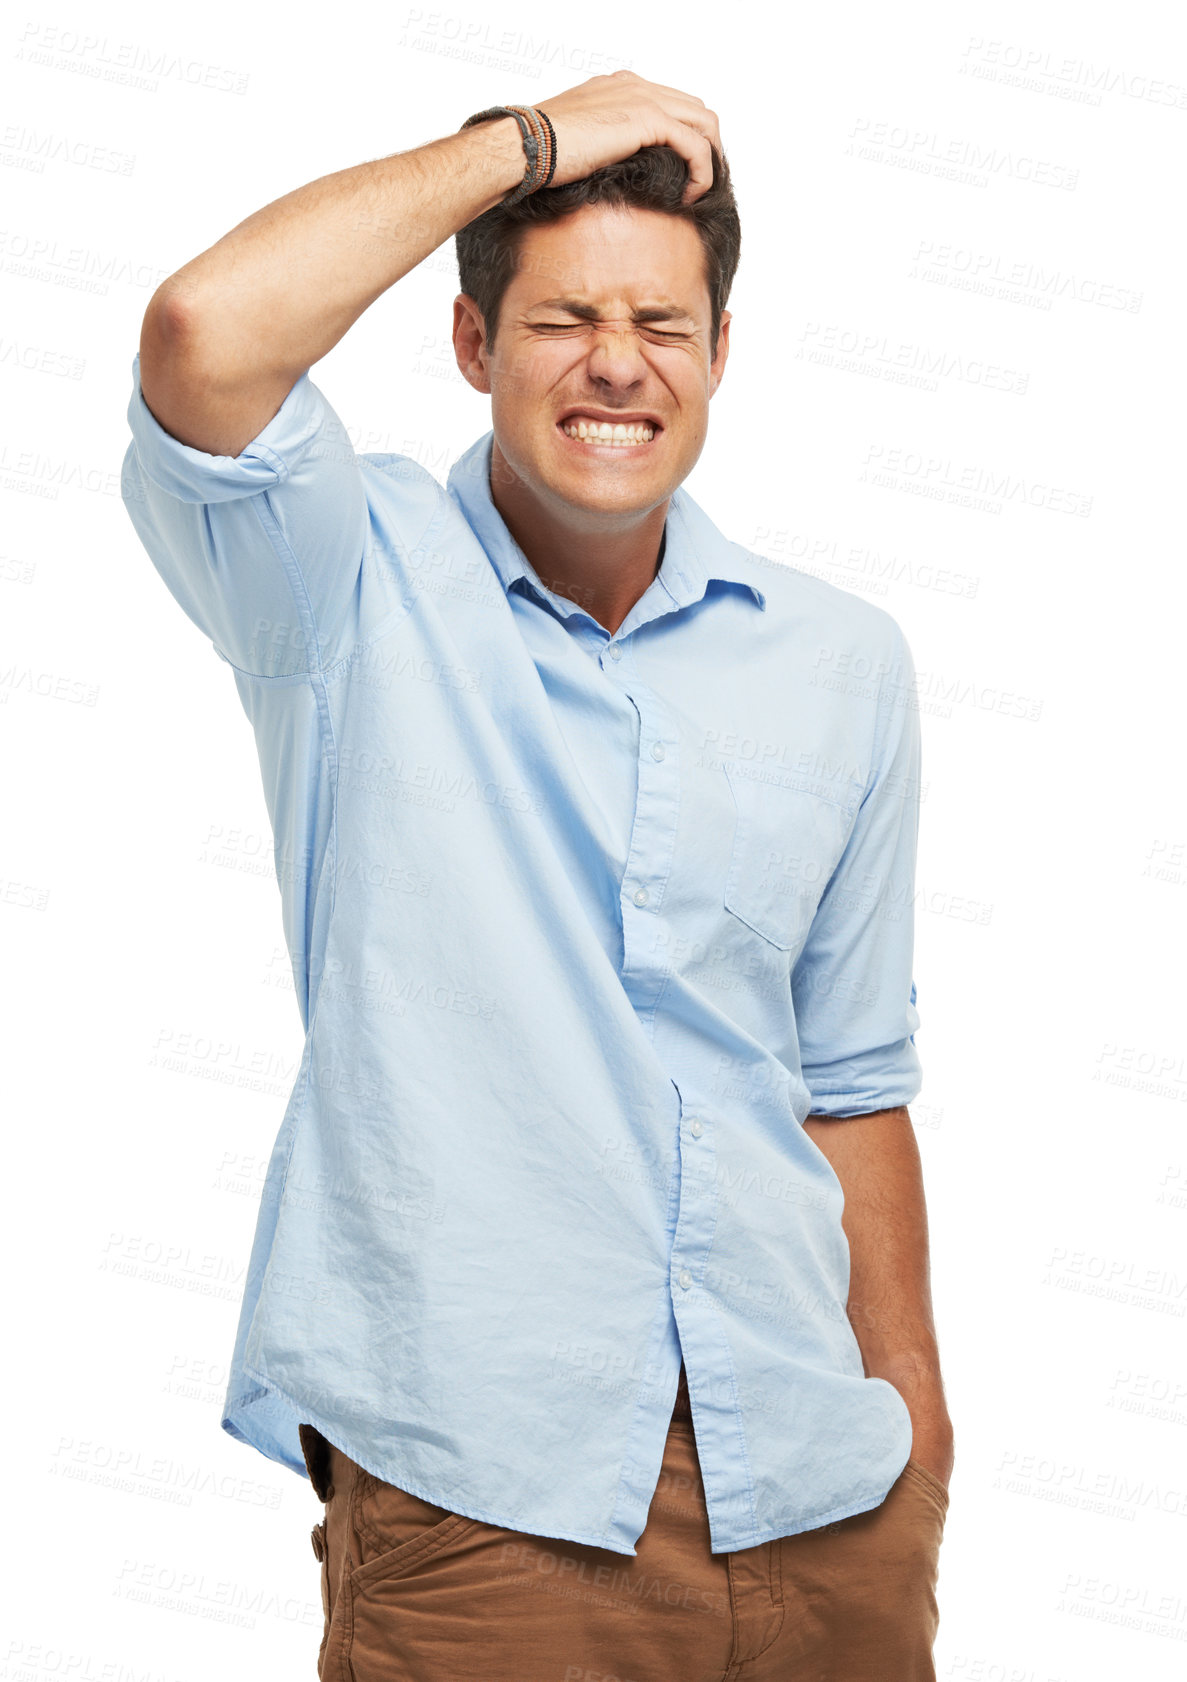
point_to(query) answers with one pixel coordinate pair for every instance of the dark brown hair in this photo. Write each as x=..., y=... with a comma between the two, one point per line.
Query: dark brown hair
x=653, y=178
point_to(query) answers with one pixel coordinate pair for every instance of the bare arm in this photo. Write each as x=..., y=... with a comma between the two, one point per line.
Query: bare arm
x=225, y=338
x=876, y=1159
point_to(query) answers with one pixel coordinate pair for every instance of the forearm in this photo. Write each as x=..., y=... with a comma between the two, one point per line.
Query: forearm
x=876, y=1159
x=275, y=294
x=227, y=336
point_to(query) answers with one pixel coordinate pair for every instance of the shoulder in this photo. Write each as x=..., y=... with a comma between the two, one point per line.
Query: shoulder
x=807, y=603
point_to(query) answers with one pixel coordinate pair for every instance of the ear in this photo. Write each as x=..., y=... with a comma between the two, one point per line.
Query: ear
x=717, y=366
x=469, y=343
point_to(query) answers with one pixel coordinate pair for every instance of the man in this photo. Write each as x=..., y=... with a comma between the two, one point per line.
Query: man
x=596, y=837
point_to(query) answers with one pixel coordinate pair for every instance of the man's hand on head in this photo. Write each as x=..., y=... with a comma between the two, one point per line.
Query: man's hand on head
x=612, y=117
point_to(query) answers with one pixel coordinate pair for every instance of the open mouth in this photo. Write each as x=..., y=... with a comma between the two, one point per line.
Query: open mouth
x=614, y=435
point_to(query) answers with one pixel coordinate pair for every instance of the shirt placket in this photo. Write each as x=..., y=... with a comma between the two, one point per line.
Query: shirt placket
x=653, y=835
x=712, y=1387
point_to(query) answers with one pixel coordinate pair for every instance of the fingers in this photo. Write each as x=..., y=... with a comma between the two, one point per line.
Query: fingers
x=693, y=146
x=696, y=152
x=661, y=87
x=615, y=115
x=695, y=137
x=686, y=108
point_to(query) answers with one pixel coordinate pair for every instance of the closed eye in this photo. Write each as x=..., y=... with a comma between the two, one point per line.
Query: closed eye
x=569, y=326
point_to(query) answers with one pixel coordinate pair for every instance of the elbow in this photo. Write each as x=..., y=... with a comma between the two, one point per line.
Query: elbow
x=178, y=366
x=170, y=321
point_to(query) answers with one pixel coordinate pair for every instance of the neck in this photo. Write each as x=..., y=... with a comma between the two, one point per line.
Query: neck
x=603, y=568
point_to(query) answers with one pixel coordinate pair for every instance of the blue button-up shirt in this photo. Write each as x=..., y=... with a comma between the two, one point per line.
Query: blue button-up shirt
x=582, y=927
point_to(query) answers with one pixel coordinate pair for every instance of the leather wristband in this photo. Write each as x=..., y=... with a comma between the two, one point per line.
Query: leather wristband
x=539, y=145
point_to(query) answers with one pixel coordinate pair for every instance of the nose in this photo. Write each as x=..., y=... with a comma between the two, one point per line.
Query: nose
x=615, y=356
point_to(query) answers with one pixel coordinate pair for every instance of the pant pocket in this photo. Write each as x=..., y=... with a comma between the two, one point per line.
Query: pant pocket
x=928, y=1481
x=395, y=1530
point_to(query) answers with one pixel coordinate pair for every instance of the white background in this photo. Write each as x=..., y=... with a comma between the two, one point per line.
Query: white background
x=991, y=193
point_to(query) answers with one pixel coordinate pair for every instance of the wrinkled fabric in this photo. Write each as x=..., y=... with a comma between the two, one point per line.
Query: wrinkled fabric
x=413, y=1593
x=581, y=928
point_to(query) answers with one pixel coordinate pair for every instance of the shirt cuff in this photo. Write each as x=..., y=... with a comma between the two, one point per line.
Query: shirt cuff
x=194, y=476
x=880, y=1081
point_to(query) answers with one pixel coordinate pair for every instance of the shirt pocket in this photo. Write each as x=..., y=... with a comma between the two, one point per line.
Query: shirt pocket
x=787, y=843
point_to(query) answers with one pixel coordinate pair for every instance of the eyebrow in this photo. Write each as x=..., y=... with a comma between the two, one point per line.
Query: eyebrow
x=666, y=311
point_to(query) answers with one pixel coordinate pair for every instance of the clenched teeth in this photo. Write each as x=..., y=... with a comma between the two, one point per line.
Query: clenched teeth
x=632, y=432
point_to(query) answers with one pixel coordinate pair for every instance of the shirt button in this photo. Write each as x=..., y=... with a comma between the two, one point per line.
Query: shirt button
x=657, y=750
x=615, y=651
x=696, y=1127
x=641, y=896
x=685, y=1278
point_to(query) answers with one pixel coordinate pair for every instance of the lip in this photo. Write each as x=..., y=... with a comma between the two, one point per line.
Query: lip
x=623, y=415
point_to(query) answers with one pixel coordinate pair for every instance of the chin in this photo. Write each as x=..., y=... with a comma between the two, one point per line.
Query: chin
x=594, y=491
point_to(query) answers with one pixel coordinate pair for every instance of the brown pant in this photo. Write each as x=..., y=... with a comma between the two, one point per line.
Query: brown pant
x=415, y=1593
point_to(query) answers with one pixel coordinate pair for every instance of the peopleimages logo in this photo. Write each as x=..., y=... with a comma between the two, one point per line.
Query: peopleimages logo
x=477, y=41
x=968, y=162
x=902, y=361
x=1063, y=75
x=128, y=63
x=968, y=484
x=1014, y=280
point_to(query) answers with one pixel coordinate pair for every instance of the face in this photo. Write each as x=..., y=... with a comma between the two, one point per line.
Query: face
x=606, y=321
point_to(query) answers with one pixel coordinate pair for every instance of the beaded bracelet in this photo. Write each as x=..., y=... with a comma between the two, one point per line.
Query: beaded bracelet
x=539, y=145
x=543, y=116
x=532, y=117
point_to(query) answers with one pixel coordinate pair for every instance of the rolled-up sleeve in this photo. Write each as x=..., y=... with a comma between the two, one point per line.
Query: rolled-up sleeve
x=264, y=550
x=853, y=988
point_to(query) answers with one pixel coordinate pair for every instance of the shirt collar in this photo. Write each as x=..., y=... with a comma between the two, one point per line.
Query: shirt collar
x=694, y=551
